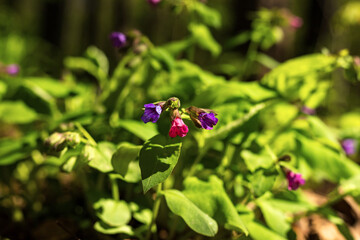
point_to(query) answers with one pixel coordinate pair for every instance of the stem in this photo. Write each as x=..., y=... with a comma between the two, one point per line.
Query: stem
x=173, y=227
x=250, y=57
x=155, y=210
x=222, y=132
x=114, y=189
x=86, y=134
x=197, y=160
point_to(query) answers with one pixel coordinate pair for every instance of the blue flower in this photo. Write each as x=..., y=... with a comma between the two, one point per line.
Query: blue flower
x=207, y=120
x=152, y=113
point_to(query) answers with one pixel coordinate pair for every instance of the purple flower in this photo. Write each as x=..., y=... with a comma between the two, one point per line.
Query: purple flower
x=349, y=146
x=294, y=180
x=154, y=2
x=12, y=69
x=118, y=39
x=207, y=120
x=152, y=113
x=308, y=111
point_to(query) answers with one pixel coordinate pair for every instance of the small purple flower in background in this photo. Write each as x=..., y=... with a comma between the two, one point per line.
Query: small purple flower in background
x=154, y=2
x=294, y=180
x=349, y=146
x=12, y=69
x=308, y=111
x=152, y=113
x=296, y=22
x=208, y=120
x=178, y=128
x=357, y=61
x=118, y=39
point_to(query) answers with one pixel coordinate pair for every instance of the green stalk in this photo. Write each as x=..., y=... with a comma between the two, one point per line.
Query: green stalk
x=155, y=211
x=115, y=189
x=250, y=58
x=86, y=134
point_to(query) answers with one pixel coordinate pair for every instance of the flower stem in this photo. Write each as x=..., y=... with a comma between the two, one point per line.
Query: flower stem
x=155, y=210
x=86, y=134
x=114, y=189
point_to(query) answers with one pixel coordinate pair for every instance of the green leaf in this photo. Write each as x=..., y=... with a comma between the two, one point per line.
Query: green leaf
x=106, y=229
x=52, y=86
x=257, y=230
x=3, y=88
x=299, y=77
x=202, y=35
x=138, y=128
x=176, y=47
x=274, y=218
x=16, y=112
x=324, y=161
x=125, y=153
x=260, y=232
x=84, y=64
x=99, y=57
x=211, y=198
x=113, y=213
x=144, y=216
x=209, y=16
x=100, y=156
x=12, y=151
x=262, y=180
x=321, y=130
x=36, y=98
x=157, y=159
x=196, y=219
x=255, y=161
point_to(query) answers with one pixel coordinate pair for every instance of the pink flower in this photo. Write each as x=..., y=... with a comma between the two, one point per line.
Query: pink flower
x=154, y=2
x=294, y=180
x=178, y=127
x=12, y=69
x=296, y=22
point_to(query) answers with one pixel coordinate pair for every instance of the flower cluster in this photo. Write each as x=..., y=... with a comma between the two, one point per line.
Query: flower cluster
x=202, y=118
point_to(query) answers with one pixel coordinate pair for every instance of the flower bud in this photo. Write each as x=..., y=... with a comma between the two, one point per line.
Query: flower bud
x=173, y=103
x=58, y=141
x=72, y=139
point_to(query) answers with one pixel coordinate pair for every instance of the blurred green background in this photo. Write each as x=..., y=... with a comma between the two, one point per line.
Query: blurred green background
x=38, y=34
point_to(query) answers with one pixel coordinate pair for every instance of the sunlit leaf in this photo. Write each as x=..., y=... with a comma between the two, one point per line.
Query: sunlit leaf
x=211, y=198
x=113, y=213
x=158, y=158
x=196, y=219
x=125, y=153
